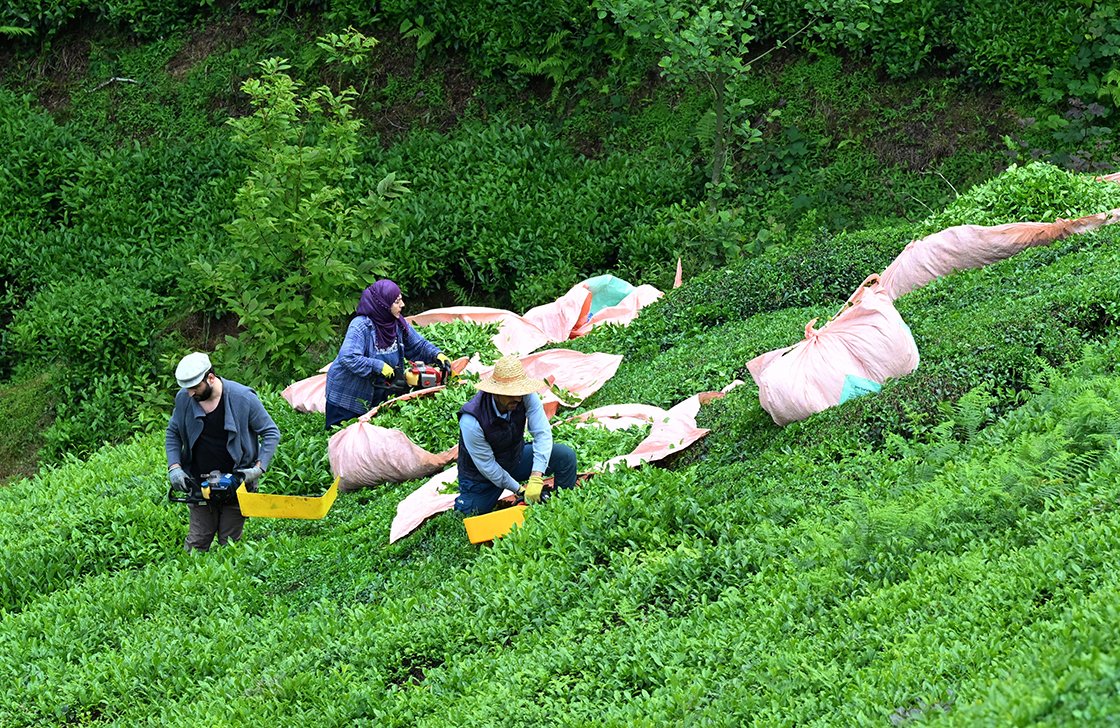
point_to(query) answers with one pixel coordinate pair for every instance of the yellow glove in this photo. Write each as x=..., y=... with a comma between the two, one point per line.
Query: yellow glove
x=386, y=371
x=445, y=365
x=533, y=489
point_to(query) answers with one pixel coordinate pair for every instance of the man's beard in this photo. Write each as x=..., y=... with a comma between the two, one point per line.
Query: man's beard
x=205, y=394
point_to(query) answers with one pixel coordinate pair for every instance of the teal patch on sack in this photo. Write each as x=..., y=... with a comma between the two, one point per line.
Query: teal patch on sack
x=857, y=387
x=606, y=290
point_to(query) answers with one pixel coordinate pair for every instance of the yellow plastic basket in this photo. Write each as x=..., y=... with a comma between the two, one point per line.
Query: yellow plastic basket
x=266, y=505
x=493, y=525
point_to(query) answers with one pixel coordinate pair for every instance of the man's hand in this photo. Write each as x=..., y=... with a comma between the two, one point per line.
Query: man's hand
x=445, y=365
x=387, y=371
x=533, y=489
x=178, y=479
x=252, y=475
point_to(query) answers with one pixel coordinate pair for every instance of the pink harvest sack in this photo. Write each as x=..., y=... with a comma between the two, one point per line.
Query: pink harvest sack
x=973, y=246
x=853, y=354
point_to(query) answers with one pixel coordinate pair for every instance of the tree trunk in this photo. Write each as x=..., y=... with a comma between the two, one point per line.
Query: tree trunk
x=719, y=144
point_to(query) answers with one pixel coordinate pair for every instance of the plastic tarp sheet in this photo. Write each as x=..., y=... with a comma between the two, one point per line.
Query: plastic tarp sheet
x=671, y=431
x=623, y=312
x=859, y=349
x=606, y=290
x=973, y=246
x=567, y=317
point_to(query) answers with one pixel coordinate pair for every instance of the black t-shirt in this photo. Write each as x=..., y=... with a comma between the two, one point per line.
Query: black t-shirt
x=210, y=451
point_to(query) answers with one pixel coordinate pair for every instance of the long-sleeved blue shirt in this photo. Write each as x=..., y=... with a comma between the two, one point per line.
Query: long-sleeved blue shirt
x=350, y=378
x=536, y=421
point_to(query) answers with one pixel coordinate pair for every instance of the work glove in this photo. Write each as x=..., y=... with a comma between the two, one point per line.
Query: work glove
x=387, y=371
x=178, y=478
x=533, y=489
x=251, y=475
x=445, y=365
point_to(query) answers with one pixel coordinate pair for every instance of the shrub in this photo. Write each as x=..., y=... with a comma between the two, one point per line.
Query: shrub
x=298, y=241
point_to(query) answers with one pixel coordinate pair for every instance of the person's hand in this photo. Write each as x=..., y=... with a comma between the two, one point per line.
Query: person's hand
x=445, y=365
x=178, y=478
x=251, y=475
x=387, y=371
x=533, y=488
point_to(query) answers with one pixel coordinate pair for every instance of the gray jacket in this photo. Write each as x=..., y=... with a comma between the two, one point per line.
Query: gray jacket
x=251, y=433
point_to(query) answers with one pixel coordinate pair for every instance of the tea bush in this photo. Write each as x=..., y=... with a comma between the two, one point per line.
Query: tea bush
x=511, y=210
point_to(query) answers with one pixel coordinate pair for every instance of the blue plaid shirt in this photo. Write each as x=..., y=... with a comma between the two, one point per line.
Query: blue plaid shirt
x=350, y=378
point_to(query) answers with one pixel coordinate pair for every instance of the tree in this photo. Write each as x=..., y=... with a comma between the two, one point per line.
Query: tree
x=301, y=241
x=702, y=41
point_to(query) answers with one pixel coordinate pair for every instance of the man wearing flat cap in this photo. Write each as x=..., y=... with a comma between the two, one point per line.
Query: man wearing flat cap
x=493, y=455
x=217, y=424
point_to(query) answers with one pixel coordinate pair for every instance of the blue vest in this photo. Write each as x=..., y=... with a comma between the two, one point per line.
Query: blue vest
x=505, y=437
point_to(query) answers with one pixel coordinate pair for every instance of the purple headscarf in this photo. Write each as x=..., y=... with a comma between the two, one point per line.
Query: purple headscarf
x=377, y=302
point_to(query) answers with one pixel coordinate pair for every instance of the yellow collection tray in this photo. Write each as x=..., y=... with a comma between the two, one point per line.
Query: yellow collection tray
x=496, y=524
x=266, y=505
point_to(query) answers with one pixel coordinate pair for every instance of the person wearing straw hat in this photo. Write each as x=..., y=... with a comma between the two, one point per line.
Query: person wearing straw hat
x=493, y=455
x=217, y=424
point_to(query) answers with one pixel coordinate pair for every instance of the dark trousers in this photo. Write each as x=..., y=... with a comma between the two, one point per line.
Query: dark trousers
x=476, y=498
x=337, y=415
x=225, y=522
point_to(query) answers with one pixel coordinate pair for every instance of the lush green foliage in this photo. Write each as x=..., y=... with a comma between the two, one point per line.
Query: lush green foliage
x=511, y=210
x=298, y=241
x=940, y=576
x=706, y=42
x=942, y=551
x=461, y=338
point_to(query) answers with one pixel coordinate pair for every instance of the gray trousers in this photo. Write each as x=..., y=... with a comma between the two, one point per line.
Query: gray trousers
x=207, y=521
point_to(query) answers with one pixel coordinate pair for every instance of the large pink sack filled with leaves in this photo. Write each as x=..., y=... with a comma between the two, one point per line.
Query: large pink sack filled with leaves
x=973, y=246
x=853, y=354
x=308, y=395
x=364, y=455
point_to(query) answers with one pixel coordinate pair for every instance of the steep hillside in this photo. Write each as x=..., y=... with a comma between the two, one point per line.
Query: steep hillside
x=938, y=552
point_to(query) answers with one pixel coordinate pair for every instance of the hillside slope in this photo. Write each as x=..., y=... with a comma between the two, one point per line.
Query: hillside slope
x=941, y=551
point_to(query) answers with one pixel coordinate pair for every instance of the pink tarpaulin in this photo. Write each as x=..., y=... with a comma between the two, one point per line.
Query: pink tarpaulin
x=854, y=353
x=563, y=319
x=973, y=246
x=671, y=431
x=515, y=334
x=308, y=395
x=423, y=503
x=559, y=318
x=622, y=313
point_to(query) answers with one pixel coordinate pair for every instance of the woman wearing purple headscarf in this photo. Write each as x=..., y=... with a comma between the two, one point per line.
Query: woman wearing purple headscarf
x=378, y=344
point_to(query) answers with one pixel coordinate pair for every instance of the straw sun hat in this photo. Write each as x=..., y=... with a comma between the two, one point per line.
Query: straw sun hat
x=508, y=378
